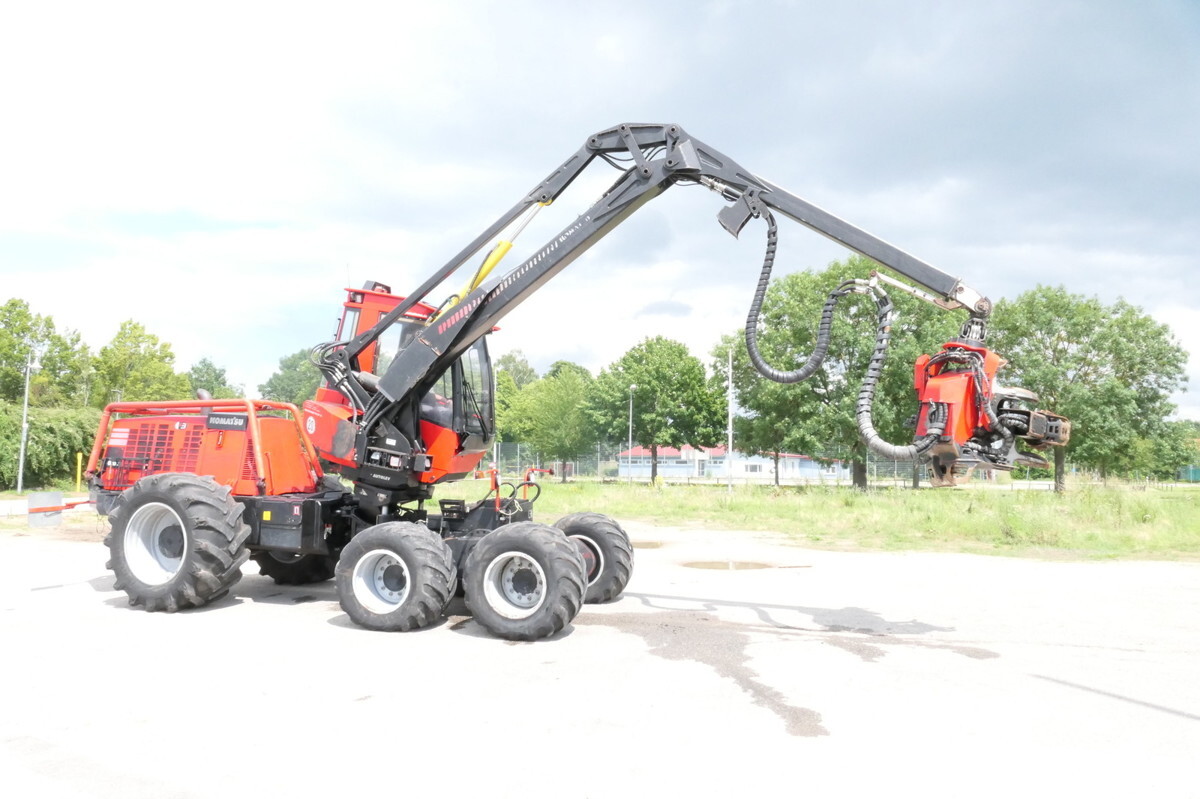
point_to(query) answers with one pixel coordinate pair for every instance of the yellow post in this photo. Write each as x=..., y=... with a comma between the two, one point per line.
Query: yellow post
x=78, y=472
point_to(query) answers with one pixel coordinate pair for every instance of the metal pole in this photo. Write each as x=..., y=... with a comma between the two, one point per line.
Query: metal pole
x=632, y=386
x=24, y=426
x=729, y=426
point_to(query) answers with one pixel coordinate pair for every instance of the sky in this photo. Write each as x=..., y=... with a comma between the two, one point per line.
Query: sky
x=220, y=172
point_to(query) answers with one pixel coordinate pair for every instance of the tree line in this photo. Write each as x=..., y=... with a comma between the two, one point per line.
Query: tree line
x=69, y=383
x=1111, y=369
x=66, y=373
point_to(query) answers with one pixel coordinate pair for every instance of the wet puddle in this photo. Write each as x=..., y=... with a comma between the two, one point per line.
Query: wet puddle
x=726, y=565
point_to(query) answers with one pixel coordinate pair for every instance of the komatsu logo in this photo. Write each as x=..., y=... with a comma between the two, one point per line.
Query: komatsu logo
x=226, y=421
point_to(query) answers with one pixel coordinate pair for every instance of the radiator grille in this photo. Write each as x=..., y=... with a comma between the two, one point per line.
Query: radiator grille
x=152, y=448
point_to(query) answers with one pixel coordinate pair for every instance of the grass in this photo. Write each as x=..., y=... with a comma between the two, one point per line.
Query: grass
x=1085, y=522
x=67, y=487
x=1089, y=522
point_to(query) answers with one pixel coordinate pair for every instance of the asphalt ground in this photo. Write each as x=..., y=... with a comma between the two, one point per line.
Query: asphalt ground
x=823, y=674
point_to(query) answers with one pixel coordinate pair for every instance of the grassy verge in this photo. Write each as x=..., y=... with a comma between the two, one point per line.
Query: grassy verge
x=1084, y=522
x=67, y=488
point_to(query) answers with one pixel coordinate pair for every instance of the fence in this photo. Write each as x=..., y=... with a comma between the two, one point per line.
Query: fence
x=604, y=462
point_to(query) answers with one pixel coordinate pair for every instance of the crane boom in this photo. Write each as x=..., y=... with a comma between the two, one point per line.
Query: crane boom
x=652, y=159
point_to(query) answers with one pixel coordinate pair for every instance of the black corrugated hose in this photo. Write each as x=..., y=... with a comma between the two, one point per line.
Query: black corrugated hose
x=936, y=420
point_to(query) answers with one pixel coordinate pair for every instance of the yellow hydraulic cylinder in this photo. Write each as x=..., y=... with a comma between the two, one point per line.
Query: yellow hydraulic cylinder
x=489, y=263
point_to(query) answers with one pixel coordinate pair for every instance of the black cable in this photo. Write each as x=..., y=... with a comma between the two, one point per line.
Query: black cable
x=527, y=485
x=937, y=415
x=824, y=329
x=938, y=412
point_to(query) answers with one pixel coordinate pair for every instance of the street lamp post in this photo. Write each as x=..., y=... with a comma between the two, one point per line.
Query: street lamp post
x=729, y=426
x=632, y=386
x=24, y=426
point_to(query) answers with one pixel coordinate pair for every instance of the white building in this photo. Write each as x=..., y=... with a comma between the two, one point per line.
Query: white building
x=711, y=463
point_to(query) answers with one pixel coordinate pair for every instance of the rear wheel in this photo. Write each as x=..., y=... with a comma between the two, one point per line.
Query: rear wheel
x=177, y=541
x=524, y=581
x=607, y=553
x=287, y=568
x=395, y=577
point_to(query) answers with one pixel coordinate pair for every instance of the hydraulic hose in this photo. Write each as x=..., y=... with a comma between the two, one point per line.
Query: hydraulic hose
x=760, y=292
x=935, y=421
x=938, y=412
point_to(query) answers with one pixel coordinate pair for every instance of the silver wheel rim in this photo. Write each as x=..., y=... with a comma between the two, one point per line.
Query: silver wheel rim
x=154, y=543
x=514, y=585
x=594, y=548
x=381, y=581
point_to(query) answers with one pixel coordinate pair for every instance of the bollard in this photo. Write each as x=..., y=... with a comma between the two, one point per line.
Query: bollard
x=45, y=509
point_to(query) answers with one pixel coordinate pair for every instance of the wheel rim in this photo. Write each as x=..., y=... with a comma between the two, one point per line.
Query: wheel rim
x=514, y=585
x=381, y=581
x=593, y=557
x=154, y=543
x=286, y=557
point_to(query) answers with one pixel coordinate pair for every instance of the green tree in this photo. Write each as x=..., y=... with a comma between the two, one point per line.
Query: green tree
x=770, y=428
x=515, y=364
x=21, y=332
x=295, y=380
x=135, y=366
x=673, y=403
x=817, y=417
x=559, y=425
x=560, y=367
x=1110, y=369
x=509, y=422
x=1174, y=449
x=206, y=375
x=67, y=372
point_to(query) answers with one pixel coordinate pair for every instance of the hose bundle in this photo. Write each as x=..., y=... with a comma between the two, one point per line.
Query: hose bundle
x=938, y=412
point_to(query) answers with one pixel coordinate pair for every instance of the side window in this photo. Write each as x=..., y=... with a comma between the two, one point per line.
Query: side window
x=467, y=410
x=349, y=325
x=437, y=405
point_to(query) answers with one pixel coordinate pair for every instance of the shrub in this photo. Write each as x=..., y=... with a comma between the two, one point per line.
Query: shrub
x=55, y=435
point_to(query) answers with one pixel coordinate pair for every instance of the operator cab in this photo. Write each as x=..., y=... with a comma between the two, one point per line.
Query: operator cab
x=457, y=414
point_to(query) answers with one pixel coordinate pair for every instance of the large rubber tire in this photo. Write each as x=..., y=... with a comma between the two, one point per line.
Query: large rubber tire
x=177, y=541
x=607, y=553
x=395, y=577
x=524, y=581
x=287, y=569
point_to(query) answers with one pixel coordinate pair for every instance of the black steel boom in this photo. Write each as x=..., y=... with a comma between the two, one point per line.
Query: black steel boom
x=661, y=156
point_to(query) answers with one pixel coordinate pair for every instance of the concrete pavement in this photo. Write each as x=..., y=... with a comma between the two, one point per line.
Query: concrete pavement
x=825, y=674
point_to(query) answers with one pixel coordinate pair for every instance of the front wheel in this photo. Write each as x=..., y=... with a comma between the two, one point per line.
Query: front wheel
x=177, y=541
x=395, y=577
x=524, y=581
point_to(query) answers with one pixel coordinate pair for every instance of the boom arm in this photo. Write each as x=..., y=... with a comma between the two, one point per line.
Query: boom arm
x=676, y=158
x=661, y=156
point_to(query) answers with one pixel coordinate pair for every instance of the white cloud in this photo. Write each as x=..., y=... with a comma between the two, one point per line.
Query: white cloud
x=254, y=158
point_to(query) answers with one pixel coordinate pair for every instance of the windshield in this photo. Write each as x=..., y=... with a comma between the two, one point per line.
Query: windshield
x=389, y=343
